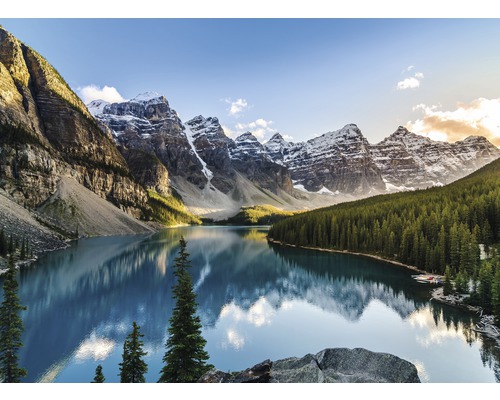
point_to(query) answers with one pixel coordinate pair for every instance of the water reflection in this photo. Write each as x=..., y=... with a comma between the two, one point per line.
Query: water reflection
x=252, y=295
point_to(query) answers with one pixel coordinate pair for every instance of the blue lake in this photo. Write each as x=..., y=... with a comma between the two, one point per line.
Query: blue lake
x=256, y=301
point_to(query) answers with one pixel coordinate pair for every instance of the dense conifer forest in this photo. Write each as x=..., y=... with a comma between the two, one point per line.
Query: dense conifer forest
x=439, y=230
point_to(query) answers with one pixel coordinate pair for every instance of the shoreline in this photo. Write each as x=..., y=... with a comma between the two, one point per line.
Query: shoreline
x=488, y=328
x=373, y=256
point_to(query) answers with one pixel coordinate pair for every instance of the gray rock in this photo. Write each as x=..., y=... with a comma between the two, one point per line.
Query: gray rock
x=328, y=366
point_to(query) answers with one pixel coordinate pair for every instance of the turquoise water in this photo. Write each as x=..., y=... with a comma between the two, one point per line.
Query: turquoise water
x=256, y=301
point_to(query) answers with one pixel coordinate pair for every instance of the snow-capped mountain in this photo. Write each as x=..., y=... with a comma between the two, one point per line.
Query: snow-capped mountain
x=410, y=161
x=344, y=162
x=338, y=161
x=214, y=172
x=202, y=163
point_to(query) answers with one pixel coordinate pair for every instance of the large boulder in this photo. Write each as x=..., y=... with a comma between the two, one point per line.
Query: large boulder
x=328, y=366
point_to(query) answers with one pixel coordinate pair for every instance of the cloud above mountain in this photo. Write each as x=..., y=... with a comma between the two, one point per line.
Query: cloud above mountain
x=94, y=92
x=479, y=117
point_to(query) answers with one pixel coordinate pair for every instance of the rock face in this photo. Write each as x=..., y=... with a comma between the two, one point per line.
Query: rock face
x=46, y=133
x=251, y=158
x=328, y=366
x=410, y=161
x=212, y=146
x=148, y=124
x=337, y=161
x=207, y=168
x=344, y=161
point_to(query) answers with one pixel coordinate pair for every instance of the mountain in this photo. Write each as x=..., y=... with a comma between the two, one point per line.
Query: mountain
x=410, y=161
x=214, y=174
x=432, y=229
x=47, y=134
x=336, y=161
x=343, y=161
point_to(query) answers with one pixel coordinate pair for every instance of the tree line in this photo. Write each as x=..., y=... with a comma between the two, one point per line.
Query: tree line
x=439, y=230
x=185, y=359
x=10, y=245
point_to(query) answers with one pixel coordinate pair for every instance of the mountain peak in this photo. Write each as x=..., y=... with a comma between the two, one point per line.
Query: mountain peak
x=146, y=96
x=246, y=137
x=277, y=137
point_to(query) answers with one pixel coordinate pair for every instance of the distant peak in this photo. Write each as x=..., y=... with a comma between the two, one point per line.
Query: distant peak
x=201, y=120
x=401, y=131
x=146, y=96
x=277, y=137
x=247, y=136
x=351, y=126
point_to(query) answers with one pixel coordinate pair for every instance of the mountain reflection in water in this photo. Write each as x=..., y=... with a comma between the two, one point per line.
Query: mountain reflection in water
x=256, y=301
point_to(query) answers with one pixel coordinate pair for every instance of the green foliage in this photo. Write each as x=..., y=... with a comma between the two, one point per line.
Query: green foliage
x=185, y=358
x=447, y=285
x=484, y=287
x=3, y=244
x=99, y=377
x=17, y=135
x=429, y=229
x=259, y=215
x=133, y=367
x=495, y=295
x=11, y=328
x=170, y=210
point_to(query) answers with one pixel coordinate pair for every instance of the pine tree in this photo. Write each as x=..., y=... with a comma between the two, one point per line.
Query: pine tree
x=447, y=286
x=133, y=367
x=185, y=358
x=495, y=291
x=99, y=377
x=11, y=328
x=3, y=244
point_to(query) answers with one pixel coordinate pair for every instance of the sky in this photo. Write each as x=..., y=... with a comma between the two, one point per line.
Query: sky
x=299, y=77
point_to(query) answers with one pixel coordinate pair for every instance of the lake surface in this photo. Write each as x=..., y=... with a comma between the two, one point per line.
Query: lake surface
x=256, y=301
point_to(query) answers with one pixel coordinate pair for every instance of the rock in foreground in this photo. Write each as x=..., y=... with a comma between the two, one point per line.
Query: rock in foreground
x=327, y=366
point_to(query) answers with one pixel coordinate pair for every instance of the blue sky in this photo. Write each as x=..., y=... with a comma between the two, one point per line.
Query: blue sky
x=299, y=77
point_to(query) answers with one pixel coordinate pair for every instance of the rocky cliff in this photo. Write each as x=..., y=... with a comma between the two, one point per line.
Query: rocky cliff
x=47, y=133
x=344, y=162
x=337, y=161
x=327, y=366
x=410, y=161
x=214, y=174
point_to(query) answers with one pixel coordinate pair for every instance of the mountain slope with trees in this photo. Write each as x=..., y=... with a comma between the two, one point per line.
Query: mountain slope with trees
x=430, y=229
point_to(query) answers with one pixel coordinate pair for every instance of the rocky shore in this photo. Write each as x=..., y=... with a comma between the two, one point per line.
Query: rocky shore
x=333, y=365
x=486, y=324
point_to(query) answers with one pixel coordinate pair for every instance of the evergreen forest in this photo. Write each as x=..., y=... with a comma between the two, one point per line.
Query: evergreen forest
x=440, y=230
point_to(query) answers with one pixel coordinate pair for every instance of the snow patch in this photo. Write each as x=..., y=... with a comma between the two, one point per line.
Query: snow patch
x=146, y=96
x=96, y=107
x=189, y=135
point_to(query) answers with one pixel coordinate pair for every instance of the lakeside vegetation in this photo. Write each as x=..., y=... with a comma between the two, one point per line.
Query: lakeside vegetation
x=259, y=215
x=170, y=210
x=439, y=230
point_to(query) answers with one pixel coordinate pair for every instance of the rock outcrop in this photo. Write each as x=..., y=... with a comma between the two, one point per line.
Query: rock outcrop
x=328, y=366
x=47, y=133
x=335, y=161
x=410, y=161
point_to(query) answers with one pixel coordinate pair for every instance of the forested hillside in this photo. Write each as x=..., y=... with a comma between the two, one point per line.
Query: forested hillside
x=430, y=229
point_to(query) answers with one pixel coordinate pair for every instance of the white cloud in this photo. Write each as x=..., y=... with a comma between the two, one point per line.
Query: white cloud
x=229, y=132
x=236, y=107
x=93, y=92
x=260, y=128
x=479, y=117
x=412, y=82
x=288, y=138
x=408, y=83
